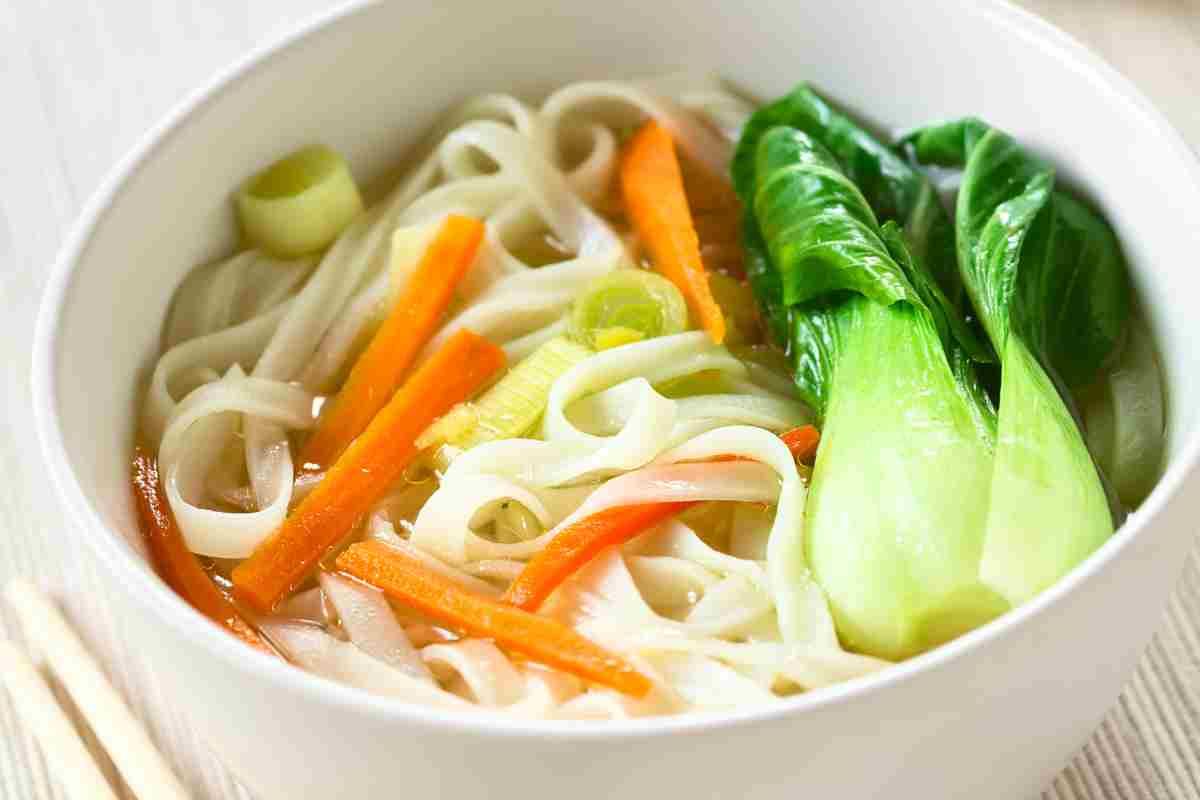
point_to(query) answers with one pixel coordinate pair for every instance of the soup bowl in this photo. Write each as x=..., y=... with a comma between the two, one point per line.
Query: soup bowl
x=993, y=714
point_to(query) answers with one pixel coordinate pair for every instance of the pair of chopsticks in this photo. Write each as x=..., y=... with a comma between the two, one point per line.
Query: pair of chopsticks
x=140, y=764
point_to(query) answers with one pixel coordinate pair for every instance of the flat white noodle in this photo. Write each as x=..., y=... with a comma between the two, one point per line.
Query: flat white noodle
x=749, y=532
x=708, y=96
x=545, y=691
x=677, y=540
x=318, y=652
x=702, y=144
x=729, y=608
x=241, y=344
x=447, y=525
x=497, y=569
x=228, y=293
x=196, y=434
x=483, y=668
x=648, y=422
x=604, y=603
x=306, y=606
x=707, y=684
x=368, y=620
x=804, y=616
x=669, y=582
x=606, y=704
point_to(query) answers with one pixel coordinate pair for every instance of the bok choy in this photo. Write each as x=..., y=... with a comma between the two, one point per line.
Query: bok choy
x=1046, y=274
x=932, y=511
x=899, y=495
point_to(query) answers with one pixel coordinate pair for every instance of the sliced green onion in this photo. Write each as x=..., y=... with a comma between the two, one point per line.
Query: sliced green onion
x=632, y=299
x=299, y=204
x=511, y=407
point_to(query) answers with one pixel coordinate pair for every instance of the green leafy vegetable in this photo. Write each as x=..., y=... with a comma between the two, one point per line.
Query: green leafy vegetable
x=899, y=494
x=1047, y=278
x=1065, y=288
x=930, y=509
x=893, y=188
x=1124, y=419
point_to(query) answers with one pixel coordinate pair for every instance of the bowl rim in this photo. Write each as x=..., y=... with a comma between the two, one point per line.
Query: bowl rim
x=146, y=589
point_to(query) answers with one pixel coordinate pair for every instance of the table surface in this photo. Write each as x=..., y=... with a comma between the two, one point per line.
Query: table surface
x=79, y=88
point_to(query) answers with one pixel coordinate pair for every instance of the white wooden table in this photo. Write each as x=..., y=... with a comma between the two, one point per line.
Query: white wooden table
x=81, y=80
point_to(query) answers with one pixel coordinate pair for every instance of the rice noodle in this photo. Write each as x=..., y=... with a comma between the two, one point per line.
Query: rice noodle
x=368, y=620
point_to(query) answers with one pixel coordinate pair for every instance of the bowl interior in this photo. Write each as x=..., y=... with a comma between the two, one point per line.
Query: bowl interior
x=373, y=81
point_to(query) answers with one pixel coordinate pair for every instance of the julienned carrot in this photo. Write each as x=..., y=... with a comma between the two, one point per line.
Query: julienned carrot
x=410, y=324
x=658, y=207
x=364, y=471
x=173, y=561
x=535, y=637
x=802, y=442
x=579, y=543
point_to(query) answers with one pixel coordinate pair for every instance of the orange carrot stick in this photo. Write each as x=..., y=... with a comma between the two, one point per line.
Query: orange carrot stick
x=658, y=207
x=172, y=560
x=802, y=442
x=537, y=638
x=579, y=543
x=364, y=471
x=409, y=326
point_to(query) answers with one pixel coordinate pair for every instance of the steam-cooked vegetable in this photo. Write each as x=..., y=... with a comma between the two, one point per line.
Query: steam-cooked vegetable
x=899, y=495
x=658, y=207
x=1032, y=258
x=1046, y=275
x=626, y=306
x=511, y=407
x=299, y=204
x=1124, y=419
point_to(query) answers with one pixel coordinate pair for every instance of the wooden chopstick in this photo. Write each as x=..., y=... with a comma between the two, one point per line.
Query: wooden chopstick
x=69, y=760
x=139, y=762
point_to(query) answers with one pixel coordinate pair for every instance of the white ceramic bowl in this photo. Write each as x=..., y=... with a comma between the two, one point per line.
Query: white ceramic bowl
x=992, y=715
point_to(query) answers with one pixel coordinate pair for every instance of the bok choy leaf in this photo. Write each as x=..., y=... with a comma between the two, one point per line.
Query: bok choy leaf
x=1064, y=288
x=894, y=189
